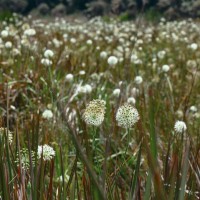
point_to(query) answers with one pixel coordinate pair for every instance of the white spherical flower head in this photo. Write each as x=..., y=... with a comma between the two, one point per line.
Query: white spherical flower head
x=112, y=60
x=89, y=42
x=138, y=80
x=46, y=152
x=180, y=127
x=94, y=112
x=69, y=77
x=8, y=45
x=88, y=88
x=127, y=116
x=48, y=53
x=47, y=114
x=165, y=68
x=46, y=62
x=116, y=92
x=193, y=109
x=103, y=55
x=30, y=32
x=131, y=100
x=4, y=33
x=194, y=46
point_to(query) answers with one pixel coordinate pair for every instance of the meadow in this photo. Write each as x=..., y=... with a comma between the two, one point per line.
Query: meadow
x=102, y=109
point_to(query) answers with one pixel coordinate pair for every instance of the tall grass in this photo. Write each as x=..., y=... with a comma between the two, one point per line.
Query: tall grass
x=151, y=162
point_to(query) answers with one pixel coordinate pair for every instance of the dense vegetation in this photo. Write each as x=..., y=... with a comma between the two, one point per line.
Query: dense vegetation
x=99, y=110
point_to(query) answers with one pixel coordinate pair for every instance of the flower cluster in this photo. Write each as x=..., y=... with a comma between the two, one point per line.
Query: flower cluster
x=180, y=127
x=94, y=112
x=46, y=152
x=127, y=116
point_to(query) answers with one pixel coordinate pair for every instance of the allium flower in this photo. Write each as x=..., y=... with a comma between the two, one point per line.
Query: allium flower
x=127, y=116
x=47, y=114
x=180, y=127
x=131, y=100
x=69, y=77
x=4, y=33
x=48, y=53
x=4, y=131
x=30, y=32
x=116, y=92
x=46, y=151
x=8, y=45
x=103, y=55
x=46, y=62
x=194, y=46
x=165, y=68
x=94, y=112
x=138, y=80
x=112, y=60
x=193, y=109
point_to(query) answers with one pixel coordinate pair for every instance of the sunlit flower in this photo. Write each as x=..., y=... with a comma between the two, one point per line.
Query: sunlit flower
x=46, y=152
x=138, y=80
x=103, y=55
x=4, y=33
x=30, y=32
x=69, y=77
x=46, y=62
x=47, y=114
x=112, y=60
x=165, y=68
x=48, y=53
x=180, y=127
x=116, y=92
x=94, y=112
x=131, y=100
x=127, y=116
x=8, y=45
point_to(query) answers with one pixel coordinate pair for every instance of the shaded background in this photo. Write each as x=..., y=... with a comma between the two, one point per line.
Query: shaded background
x=170, y=9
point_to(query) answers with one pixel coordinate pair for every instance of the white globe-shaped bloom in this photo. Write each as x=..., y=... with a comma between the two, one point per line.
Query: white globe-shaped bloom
x=48, y=53
x=165, y=68
x=112, y=60
x=94, y=112
x=180, y=127
x=73, y=40
x=46, y=152
x=80, y=90
x=82, y=72
x=194, y=46
x=47, y=114
x=193, y=109
x=69, y=77
x=8, y=45
x=134, y=57
x=30, y=32
x=89, y=42
x=161, y=54
x=4, y=33
x=46, y=62
x=127, y=116
x=138, y=80
x=116, y=92
x=88, y=88
x=131, y=100
x=103, y=55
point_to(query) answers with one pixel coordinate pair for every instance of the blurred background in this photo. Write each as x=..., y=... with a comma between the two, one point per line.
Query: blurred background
x=126, y=9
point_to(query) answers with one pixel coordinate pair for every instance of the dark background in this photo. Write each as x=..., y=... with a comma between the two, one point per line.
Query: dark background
x=171, y=9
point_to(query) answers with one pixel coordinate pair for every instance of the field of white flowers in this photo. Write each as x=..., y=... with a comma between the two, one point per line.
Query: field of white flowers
x=98, y=110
